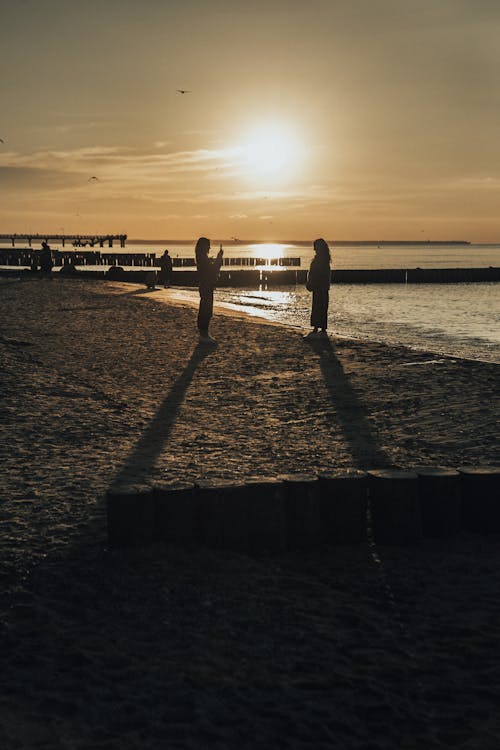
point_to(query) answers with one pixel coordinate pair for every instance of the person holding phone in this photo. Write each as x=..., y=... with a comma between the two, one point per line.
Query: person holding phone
x=208, y=273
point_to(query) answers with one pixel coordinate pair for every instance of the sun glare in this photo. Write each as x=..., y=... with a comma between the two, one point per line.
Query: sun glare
x=271, y=152
x=268, y=250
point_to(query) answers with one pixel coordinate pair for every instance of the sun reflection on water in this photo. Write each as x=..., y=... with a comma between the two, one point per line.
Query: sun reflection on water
x=268, y=250
x=266, y=254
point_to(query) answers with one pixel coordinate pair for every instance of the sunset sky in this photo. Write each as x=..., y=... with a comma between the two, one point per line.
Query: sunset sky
x=348, y=119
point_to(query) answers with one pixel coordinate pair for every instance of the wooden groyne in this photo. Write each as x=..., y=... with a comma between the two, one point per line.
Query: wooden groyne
x=237, y=271
x=291, y=513
x=415, y=275
x=277, y=277
x=25, y=257
x=274, y=277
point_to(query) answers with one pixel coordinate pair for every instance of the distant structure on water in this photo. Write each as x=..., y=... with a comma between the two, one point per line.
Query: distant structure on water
x=78, y=240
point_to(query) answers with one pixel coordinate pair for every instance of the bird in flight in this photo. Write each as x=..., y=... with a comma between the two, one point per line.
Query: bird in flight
x=93, y=179
x=183, y=91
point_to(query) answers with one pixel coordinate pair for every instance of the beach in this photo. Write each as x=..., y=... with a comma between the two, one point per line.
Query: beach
x=165, y=647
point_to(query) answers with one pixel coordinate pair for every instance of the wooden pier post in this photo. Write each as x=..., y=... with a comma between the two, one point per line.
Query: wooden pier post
x=395, y=511
x=343, y=504
x=302, y=511
x=223, y=513
x=176, y=518
x=480, y=487
x=439, y=497
x=266, y=515
x=130, y=514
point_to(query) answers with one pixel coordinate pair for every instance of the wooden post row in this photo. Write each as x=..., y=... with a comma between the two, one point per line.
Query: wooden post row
x=296, y=512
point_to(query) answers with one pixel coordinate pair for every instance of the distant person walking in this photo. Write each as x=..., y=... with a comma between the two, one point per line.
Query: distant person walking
x=45, y=259
x=318, y=282
x=208, y=272
x=166, y=269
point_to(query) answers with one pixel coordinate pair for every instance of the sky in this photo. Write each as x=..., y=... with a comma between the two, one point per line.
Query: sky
x=347, y=119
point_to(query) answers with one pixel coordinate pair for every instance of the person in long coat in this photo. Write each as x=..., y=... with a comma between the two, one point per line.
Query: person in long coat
x=318, y=282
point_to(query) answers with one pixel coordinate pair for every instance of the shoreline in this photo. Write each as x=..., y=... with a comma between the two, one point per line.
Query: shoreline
x=180, y=295
x=187, y=295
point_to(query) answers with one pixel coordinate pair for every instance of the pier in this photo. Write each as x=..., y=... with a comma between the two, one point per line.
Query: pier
x=77, y=240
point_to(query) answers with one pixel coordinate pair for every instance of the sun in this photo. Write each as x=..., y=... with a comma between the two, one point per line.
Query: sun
x=271, y=152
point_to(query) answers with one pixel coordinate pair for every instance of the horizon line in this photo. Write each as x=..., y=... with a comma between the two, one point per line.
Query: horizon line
x=232, y=241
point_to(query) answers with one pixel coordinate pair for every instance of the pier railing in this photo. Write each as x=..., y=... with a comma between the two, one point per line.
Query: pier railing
x=77, y=240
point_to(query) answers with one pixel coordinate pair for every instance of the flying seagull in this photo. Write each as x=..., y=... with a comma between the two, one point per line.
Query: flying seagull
x=183, y=91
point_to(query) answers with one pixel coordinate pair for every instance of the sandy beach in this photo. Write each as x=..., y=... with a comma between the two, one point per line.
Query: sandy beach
x=171, y=648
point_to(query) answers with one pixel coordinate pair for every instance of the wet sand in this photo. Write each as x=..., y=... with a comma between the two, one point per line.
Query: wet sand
x=172, y=648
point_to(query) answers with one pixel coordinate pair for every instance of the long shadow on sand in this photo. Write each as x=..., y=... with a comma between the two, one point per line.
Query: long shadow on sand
x=135, y=292
x=140, y=462
x=361, y=438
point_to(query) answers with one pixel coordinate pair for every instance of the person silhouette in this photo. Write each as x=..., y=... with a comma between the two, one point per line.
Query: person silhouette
x=318, y=282
x=208, y=272
x=166, y=269
x=45, y=259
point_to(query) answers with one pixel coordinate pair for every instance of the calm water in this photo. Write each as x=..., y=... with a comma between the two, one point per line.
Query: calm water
x=461, y=320
x=353, y=257
x=450, y=319
x=350, y=257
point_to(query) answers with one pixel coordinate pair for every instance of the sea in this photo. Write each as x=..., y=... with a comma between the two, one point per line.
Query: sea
x=454, y=320
x=448, y=320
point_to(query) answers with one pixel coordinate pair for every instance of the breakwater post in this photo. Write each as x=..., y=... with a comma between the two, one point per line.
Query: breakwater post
x=480, y=487
x=439, y=494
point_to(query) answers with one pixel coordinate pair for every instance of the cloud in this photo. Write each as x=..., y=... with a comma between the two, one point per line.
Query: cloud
x=32, y=179
x=147, y=174
x=149, y=182
x=476, y=182
x=121, y=166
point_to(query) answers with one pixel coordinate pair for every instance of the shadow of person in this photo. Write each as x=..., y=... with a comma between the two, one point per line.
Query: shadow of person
x=140, y=461
x=135, y=292
x=361, y=437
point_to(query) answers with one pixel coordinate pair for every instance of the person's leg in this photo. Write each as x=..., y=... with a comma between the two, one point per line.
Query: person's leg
x=324, y=314
x=203, y=319
x=321, y=318
x=205, y=314
x=314, y=317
